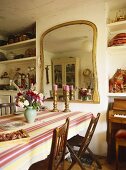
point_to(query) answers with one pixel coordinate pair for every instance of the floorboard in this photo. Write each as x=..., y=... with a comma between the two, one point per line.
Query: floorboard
x=104, y=163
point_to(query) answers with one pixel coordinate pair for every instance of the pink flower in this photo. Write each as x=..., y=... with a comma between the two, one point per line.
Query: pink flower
x=83, y=92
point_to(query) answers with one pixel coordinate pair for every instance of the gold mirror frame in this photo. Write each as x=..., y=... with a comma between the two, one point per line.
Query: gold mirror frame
x=96, y=98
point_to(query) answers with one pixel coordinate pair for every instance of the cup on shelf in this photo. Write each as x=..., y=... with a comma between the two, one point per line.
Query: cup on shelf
x=11, y=55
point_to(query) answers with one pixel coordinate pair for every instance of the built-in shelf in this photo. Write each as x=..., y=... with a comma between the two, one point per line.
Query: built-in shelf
x=18, y=44
x=8, y=92
x=18, y=60
x=116, y=26
x=117, y=94
x=117, y=49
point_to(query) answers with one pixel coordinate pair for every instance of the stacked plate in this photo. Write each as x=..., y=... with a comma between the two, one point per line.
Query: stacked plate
x=119, y=39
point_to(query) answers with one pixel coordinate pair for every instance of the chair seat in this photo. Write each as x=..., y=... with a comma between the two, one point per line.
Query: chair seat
x=76, y=140
x=41, y=165
x=82, y=142
x=121, y=134
x=120, y=137
x=7, y=108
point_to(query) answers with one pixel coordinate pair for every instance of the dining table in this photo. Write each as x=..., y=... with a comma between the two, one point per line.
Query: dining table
x=19, y=154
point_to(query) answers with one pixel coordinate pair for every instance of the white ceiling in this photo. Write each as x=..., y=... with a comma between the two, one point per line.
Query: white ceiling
x=18, y=14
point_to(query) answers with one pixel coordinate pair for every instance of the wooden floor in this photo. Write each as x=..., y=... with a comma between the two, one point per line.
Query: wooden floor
x=104, y=163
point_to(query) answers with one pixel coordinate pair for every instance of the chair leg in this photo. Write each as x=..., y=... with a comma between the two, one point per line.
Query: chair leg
x=72, y=164
x=117, y=150
x=74, y=158
x=94, y=158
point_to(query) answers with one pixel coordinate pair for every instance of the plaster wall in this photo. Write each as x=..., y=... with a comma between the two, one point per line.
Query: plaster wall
x=94, y=11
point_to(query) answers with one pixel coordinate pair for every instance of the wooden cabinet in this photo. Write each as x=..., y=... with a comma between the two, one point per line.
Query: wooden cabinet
x=65, y=71
x=115, y=120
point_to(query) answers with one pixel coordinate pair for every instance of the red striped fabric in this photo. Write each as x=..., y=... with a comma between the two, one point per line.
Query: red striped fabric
x=13, y=152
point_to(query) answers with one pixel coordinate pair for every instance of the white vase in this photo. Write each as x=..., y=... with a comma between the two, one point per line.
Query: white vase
x=30, y=114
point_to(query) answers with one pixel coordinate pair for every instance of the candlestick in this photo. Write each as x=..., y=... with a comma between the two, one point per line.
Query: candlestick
x=71, y=93
x=71, y=87
x=64, y=89
x=66, y=97
x=55, y=101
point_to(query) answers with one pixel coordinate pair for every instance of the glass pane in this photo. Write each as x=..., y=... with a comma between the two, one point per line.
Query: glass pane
x=70, y=74
x=58, y=75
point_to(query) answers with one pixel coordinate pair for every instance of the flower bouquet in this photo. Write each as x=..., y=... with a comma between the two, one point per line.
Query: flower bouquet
x=32, y=101
x=29, y=98
x=83, y=93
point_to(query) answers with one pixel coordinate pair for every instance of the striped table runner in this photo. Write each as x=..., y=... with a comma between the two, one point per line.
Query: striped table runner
x=21, y=156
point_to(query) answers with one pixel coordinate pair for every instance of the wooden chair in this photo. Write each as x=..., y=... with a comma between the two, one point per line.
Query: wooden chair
x=7, y=108
x=55, y=161
x=83, y=143
x=120, y=138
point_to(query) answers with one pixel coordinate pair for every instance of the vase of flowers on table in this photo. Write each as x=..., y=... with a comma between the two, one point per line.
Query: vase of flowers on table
x=31, y=101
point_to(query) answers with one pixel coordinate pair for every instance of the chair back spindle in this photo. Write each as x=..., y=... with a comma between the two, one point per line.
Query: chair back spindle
x=89, y=134
x=7, y=108
x=55, y=160
x=58, y=148
x=83, y=143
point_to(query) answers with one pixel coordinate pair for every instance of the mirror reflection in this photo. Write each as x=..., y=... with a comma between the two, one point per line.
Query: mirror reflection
x=69, y=59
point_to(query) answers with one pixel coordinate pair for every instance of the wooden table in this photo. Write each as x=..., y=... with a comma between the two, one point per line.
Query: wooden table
x=21, y=156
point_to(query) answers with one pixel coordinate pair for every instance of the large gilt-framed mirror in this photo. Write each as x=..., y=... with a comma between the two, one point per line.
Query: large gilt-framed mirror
x=68, y=57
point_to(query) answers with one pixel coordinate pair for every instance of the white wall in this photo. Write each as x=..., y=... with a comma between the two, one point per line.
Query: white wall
x=94, y=11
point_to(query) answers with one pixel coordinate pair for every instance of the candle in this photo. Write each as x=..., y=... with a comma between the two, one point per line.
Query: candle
x=55, y=87
x=71, y=87
x=64, y=87
x=67, y=88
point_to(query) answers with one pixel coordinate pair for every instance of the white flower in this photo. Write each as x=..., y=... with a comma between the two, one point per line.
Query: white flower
x=41, y=102
x=26, y=103
x=41, y=95
x=35, y=92
x=84, y=89
x=21, y=104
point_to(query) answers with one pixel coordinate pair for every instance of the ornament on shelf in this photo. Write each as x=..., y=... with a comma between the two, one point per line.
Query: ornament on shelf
x=120, y=15
x=117, y=84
